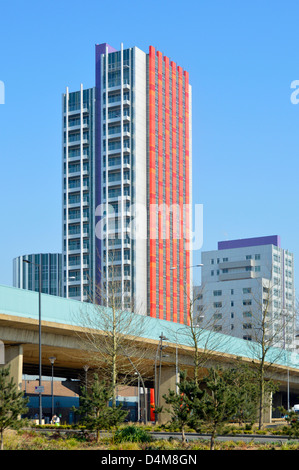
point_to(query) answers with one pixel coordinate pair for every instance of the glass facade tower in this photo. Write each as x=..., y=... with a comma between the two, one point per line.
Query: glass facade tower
x=26, y=275
x=127, y=183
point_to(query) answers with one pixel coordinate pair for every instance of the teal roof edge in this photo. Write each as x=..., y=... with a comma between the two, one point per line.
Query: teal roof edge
x=24, y=303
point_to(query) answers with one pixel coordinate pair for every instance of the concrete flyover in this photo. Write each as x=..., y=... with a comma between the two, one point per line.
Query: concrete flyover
x=61, y=337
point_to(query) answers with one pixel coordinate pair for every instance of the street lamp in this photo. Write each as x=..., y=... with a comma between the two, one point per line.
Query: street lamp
x=138, y=394
x=39, y=334
x=157, y=382
x=200, y=265
x=284, y=314
x=188, y=267
x=85, y=367
x=52, y=359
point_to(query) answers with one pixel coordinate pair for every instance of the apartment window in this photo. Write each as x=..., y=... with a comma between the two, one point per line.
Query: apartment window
x=232, y=303
x=247, y=337
x=212, y=273
x=248, y=257
x=247, y=326
x=232, y=315
x=246, y=302
x=257, y=269
x=232, y=292
x=217, y=292
x=246, y=290
x=247, y=314
x=74, y=229
x=74, y=275
x=74, y=214
x=225, y=260
x=74, y=168
x=74, y=291
x=73, y=260
x=74, y=198
x=212, y=261
x=217, y=304
x=217, y=316
x=217, y=328
x=74, y=183
x=257, y=257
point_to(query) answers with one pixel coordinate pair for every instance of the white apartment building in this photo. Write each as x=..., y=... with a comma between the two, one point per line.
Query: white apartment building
x=78, y=150
x=243, y=280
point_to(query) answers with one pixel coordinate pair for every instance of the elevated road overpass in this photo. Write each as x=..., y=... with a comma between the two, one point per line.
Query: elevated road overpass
x=60, y=337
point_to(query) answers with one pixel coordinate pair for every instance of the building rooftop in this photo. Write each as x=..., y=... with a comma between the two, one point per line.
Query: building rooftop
x=246, y=242
x=59, y=388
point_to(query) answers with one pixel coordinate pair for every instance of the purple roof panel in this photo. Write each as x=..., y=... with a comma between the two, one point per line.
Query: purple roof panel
x=244, y=242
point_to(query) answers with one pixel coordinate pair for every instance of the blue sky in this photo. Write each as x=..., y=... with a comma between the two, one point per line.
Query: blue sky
x=242, y=57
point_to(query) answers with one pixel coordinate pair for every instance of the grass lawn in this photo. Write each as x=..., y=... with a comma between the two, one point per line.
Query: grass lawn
x=58, y=440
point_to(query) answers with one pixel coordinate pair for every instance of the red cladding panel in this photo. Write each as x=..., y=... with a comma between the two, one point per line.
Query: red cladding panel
x=152, y=180
x=167, y=188
x=160, y=182
x=174, y=198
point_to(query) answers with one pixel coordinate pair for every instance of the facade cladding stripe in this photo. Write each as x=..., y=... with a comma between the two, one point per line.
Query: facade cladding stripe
x=160, y=183
x=167, y=188
x=187, y=187
x=174, y=189
x=181, y=197
x=152, y=179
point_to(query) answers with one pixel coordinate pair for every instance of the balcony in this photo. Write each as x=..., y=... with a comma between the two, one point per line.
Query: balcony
x=236, y=276
x=237, y=264
x=76, y=127
x=76, y=110
x=116, y=86
x=118, y=103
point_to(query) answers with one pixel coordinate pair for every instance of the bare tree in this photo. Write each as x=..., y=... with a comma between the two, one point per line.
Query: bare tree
x=199, y=333
x=112, y=332
x=267, y=340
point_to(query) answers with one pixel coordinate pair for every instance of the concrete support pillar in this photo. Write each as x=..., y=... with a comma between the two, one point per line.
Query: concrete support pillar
x=14, y=359
x=268, y=410
x=168, y=382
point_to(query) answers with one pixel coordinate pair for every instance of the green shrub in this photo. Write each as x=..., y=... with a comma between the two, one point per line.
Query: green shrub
x=132, y=434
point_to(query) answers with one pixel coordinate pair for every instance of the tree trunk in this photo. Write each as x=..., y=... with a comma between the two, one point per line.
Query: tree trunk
x=183, y=435
x=114, y=359
x=212, y=443
x=1, y=439
x=262, y=395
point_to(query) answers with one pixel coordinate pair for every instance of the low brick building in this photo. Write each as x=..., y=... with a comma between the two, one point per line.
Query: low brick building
x=65, y=397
